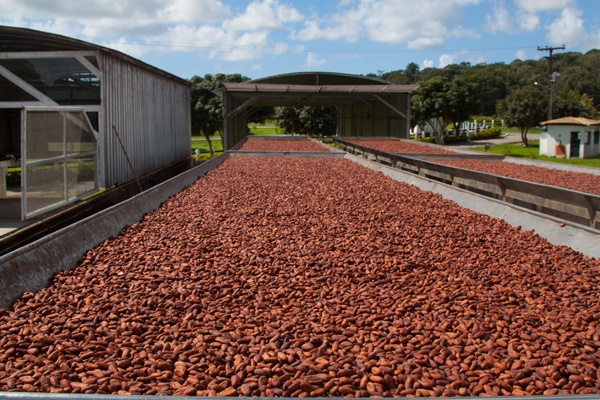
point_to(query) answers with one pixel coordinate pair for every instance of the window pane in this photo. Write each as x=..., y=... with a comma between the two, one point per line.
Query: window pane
x=93, y=60
x=44, y=135
x=80, y=176
x=64, y=80
x=93, y=117
x=45, y=186
x=79, y=137
x=11, y=92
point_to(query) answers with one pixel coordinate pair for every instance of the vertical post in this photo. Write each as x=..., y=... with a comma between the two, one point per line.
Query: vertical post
x=226, y=125
x=23, y=164
x=65, y=165
x=550, y=79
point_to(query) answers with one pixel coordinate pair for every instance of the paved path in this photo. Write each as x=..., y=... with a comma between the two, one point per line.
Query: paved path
x=511, y=137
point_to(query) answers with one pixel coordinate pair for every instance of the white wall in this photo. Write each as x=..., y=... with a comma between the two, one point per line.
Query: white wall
x=562, y=134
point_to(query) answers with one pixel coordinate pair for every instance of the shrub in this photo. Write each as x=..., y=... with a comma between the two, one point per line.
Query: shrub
x=13, y=178
x=489, y=133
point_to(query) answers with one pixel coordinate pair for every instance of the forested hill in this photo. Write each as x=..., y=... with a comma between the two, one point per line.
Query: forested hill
x=580, y=72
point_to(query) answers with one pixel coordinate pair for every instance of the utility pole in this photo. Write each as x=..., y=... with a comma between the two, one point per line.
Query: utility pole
x=550, y=76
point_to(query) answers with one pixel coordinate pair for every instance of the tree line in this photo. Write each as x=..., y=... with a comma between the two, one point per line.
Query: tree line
x=516, y=92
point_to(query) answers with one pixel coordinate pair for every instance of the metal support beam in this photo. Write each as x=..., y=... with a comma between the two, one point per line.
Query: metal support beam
x=390, y=106
x=242, y=106
x=27, y=87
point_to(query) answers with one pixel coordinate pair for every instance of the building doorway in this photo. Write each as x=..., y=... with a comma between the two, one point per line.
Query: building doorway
x=575, y=145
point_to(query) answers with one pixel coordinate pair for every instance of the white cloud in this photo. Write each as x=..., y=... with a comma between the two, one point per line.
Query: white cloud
x=268, y=14
x=427, y=64
x=313, y=60
x=521, y=55
x=475, y=58
x=123, y=45
x=257, y=67
x=446, y=59
x=427, y=43
x=528, y=22
x=568, y=29
x=138, y=26
x=535, y=6
x=592, y=41
x=98, y=18
x=192, y=11
x=422, y=24
x=500, y=20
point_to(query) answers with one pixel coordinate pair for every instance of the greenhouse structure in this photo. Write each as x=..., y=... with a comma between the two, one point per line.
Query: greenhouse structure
x=76, y=117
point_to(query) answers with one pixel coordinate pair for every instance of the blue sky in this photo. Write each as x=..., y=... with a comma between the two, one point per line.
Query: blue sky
x=268, y=37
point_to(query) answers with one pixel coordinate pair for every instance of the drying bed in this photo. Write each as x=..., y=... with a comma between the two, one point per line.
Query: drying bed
x=398, y=146
x=297, y=277
x=580, y=181
x=260, y=144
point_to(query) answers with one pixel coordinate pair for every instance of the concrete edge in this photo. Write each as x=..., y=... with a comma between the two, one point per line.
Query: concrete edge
x=291, y=154
x=326, y=146
x=578, y=237
x=275, y=137
x=74, y=396
x=553, y=165
x=31, y=267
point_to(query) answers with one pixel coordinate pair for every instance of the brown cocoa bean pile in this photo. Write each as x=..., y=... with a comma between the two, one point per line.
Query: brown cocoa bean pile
x=397, y=146
x=259, y=144
x=579, y=181
x=311, y=277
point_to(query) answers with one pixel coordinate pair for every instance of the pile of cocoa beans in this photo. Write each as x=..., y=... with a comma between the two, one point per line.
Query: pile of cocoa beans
x=259, y=144
x=579, y=181
x=397, y=146
x=311, y=277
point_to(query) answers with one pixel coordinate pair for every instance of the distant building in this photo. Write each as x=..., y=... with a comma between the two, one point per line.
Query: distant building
x=571, y=137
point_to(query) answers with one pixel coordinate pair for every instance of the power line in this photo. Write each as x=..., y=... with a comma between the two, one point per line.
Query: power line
x=314, y=50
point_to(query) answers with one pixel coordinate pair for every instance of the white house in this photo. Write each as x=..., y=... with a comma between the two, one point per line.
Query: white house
x=571, y=137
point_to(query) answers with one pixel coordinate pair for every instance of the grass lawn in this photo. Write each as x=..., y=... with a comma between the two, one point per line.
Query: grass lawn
x=202, y=145
x=533, y=152
x=265, y=130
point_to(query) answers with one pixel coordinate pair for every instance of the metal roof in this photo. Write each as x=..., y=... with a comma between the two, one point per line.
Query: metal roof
x=18, y=40
x=317, y=78
x=325, y=95
x=250, y=87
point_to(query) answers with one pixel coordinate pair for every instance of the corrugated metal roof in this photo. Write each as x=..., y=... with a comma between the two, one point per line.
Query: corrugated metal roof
x=572, y=121
x=16, y=40
x=250, y=87
x=316, y=78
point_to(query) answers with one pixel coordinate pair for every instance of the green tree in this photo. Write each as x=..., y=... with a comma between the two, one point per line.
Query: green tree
x=524, y=109
x=439, y=102
x=306, y=120
x=207, y=107
x=570, y=103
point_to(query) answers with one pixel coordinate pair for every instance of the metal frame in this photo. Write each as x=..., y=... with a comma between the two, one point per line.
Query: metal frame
x=45, y=103
x=389, y=105
x=65, y=111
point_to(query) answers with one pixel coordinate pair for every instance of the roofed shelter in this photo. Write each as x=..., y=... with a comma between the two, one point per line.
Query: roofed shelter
x=65, y=106
x=364, y=106
x=571, y=137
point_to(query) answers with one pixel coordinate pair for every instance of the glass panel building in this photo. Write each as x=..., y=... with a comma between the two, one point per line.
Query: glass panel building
x=62, y=103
